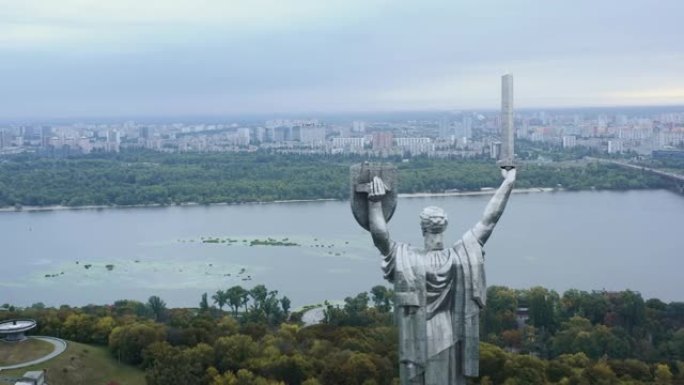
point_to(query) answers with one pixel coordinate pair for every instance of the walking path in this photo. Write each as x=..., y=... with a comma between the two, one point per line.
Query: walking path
x=59, y=344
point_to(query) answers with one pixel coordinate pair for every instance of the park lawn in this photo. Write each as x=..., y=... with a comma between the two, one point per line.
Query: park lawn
x=15, y=352
x=83, y=364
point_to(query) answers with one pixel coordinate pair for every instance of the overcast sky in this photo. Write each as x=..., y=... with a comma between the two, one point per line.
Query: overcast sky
x=88, y=58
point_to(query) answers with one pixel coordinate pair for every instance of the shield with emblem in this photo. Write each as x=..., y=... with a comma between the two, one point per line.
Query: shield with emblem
x=361, y=175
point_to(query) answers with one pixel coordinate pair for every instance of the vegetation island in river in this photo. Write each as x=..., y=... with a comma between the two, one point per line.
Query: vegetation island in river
x=251, y=242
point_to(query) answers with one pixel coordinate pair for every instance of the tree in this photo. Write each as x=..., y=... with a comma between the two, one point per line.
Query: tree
x=571, y=302
x=227, y=325
x=635, y=369
x=574, y=337
x=632, y=309
x=168, y=365
x=204, y=303
x=525, y=369
x=220, y=298
x=129, y=307
x=103, y=327
x=285, y=304
x=557, y=371
x=245, y=299
x=492, y=360
x=272, y=308
x=500, y=312
x=127, y=342
x=291, y=369
x=382, y=298
x=348, y=368
x=232, y=352
x=235, y=296
x=355, y=310
x=600, y=374
x=594, y=306
x=242, y=377
x=258, y=293
x=79, y=327
x=542, y=304
x=662, y=374
x=356, y=304
x=676, y=345
x=157, y=307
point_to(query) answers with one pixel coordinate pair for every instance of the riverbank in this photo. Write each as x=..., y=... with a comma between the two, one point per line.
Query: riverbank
x=194, y=204
x=148, y=205
x=482, y=192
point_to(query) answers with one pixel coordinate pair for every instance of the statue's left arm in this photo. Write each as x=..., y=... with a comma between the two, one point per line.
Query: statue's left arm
x=483, y=229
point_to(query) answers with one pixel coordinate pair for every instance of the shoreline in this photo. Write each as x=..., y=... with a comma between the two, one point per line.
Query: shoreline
x=195, y=204
x=150, y=205
x=477, y=193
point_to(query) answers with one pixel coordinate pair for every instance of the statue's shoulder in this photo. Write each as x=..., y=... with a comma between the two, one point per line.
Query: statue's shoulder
x=404, y=247
x=469, y=240
x=458, y=246
x=469, y=243
x=407, y=253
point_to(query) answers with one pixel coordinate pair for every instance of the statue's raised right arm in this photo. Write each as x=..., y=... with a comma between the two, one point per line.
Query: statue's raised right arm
x=376, y=218
x=483, y=229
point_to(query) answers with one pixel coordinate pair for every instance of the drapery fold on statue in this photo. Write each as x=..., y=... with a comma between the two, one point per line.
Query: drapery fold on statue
x=455, y=291
x=407, y=272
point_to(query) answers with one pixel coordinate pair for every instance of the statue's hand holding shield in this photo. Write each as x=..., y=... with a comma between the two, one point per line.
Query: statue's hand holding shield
x=377, y=189
x=375, y=182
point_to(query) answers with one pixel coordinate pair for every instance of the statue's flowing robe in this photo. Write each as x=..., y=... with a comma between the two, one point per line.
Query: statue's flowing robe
x=439, y=295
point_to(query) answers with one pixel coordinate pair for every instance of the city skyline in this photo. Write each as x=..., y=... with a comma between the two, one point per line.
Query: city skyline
x=77, y=58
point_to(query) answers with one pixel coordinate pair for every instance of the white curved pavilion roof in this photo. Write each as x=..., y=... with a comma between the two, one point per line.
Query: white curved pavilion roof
x=14, y=326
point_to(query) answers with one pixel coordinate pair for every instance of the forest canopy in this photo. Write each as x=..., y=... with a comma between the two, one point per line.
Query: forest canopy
x=145, y=177
x=529, y=336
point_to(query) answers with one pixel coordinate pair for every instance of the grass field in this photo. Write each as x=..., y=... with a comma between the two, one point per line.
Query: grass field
x=84, y=364
x=15, y=352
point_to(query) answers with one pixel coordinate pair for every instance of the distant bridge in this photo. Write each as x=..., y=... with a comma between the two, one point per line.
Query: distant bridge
x=677, y=178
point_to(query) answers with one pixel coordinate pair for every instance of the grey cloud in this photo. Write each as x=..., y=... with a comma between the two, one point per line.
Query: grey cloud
x=401, y=45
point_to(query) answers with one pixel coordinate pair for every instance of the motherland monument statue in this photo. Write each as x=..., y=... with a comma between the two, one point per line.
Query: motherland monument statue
x=439, y=292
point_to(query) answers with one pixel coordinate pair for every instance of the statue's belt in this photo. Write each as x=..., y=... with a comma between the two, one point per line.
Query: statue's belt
x=409, y=298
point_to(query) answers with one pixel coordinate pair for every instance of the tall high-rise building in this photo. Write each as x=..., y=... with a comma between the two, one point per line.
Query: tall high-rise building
x=45, y=135
x=467, y=123
x=382, y=140
x=243, y=136
x=495, y=150
x=615, y=146
x=569, y=141
x=309, y=134
x=445, y=129
x=5, y=139
x=144, y=133
x=282, y=134
x=507, y=128
x=113, y=141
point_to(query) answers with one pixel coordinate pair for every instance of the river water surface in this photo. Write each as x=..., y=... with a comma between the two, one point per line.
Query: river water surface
x=584, y=240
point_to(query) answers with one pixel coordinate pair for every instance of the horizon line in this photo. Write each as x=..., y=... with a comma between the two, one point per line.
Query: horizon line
x=314, y=114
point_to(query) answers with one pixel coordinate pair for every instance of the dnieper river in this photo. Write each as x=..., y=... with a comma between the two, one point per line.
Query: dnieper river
x=584, y=240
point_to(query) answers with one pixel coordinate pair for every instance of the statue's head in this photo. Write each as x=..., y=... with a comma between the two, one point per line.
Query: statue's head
x=433, y=222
